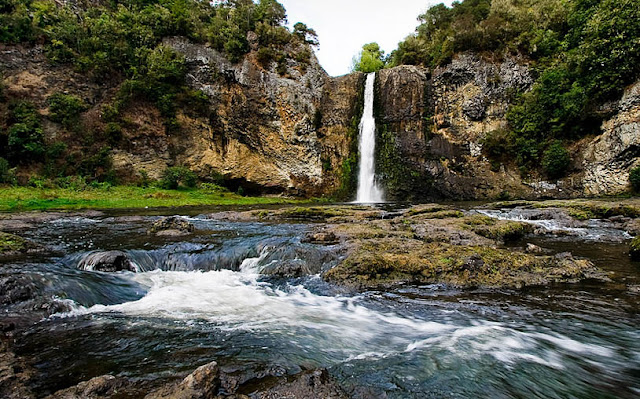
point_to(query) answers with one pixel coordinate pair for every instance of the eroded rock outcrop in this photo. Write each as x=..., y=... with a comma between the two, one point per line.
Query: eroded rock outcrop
x=432, y=125
x=267, y=131
x=609, y=157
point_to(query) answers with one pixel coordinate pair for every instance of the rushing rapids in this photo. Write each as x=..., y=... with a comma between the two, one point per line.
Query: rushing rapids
x=212, y=296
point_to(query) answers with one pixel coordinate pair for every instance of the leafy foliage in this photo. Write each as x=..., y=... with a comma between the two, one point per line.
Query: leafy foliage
x=556, y=160
x=65, y=109
x=370, y=59
x=7, y=175
x=25, y=137
x=175, y=176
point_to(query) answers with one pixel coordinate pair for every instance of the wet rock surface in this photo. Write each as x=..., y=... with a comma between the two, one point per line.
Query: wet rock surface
x=203, y=383
x=432, y=243
x=172, y=227
x=106, y=386
x=110, y=261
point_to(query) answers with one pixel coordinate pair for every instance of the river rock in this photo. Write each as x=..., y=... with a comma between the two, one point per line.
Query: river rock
x=323, y=237
x=15, y=374
x=110, y=261
x=203, y=383
x=105, y=386
x=533, y=249
x=172, y=226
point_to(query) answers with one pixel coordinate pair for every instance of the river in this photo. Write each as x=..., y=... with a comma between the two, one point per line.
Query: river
x=204, y=298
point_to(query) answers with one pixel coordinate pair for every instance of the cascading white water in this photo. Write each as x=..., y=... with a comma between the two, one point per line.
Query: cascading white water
x=368, y=190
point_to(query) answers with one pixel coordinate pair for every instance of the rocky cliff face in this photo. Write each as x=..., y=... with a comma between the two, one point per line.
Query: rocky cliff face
x=432, y=125
x=267, y=132
x=295, y=133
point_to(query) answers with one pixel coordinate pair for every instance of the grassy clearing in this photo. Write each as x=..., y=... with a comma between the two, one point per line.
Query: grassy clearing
x=15, y=199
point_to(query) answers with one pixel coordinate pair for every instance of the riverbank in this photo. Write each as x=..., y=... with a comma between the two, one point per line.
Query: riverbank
x=18, y=199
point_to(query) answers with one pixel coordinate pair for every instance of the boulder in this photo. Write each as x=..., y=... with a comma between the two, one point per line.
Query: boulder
x=323, y=238
x=203, y=383
x=110, y=261
x=105, y=386
x=172, y=226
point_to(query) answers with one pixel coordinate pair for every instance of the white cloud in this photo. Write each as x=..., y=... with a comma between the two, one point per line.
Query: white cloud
x=343, y=26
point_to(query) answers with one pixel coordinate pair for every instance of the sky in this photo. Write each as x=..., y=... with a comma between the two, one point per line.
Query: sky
x=343, y=26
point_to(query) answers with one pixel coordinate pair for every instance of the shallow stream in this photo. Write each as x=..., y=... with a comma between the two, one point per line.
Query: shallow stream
x=204, y=298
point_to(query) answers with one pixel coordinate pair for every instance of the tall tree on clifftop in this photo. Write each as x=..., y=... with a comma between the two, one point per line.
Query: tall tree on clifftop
x=370, y=59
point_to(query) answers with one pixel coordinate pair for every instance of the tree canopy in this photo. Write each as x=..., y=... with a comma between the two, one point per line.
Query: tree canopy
x=370, y=59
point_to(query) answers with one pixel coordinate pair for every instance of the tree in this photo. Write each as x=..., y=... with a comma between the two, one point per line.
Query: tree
x=306, y=34
x=371, y=59
x=271, y=12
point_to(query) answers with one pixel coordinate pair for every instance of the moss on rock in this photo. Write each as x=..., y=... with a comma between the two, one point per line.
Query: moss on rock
x=10, y=243
x=389, y=262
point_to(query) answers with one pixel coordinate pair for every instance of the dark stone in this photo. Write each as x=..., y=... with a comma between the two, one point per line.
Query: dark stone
x=475, y=108
x=308, y=384
x=105, y=386
x=111, y=261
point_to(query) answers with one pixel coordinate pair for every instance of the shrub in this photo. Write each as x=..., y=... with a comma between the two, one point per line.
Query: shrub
x=144, y=181
x=65, y=109
x=265, y=56
x=556, y=160
x=75, y=183
x=175, y=176
x=113, y=131
x=7, y=175
x=634, y=178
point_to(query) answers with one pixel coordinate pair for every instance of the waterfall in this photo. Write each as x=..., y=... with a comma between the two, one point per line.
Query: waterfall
x=368, y=190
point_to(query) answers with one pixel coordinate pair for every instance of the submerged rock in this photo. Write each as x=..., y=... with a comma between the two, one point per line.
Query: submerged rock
x=110, y=261
x=172, y=226
x=308, y=384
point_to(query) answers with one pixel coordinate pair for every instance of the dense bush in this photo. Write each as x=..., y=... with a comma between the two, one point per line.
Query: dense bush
x=174, y=177
x=25, y=140
x=65, y=109
x=7, y=175
x=556, y=160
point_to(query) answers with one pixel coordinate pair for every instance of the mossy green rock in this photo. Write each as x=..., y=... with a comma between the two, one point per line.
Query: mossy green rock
x=10, y=243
